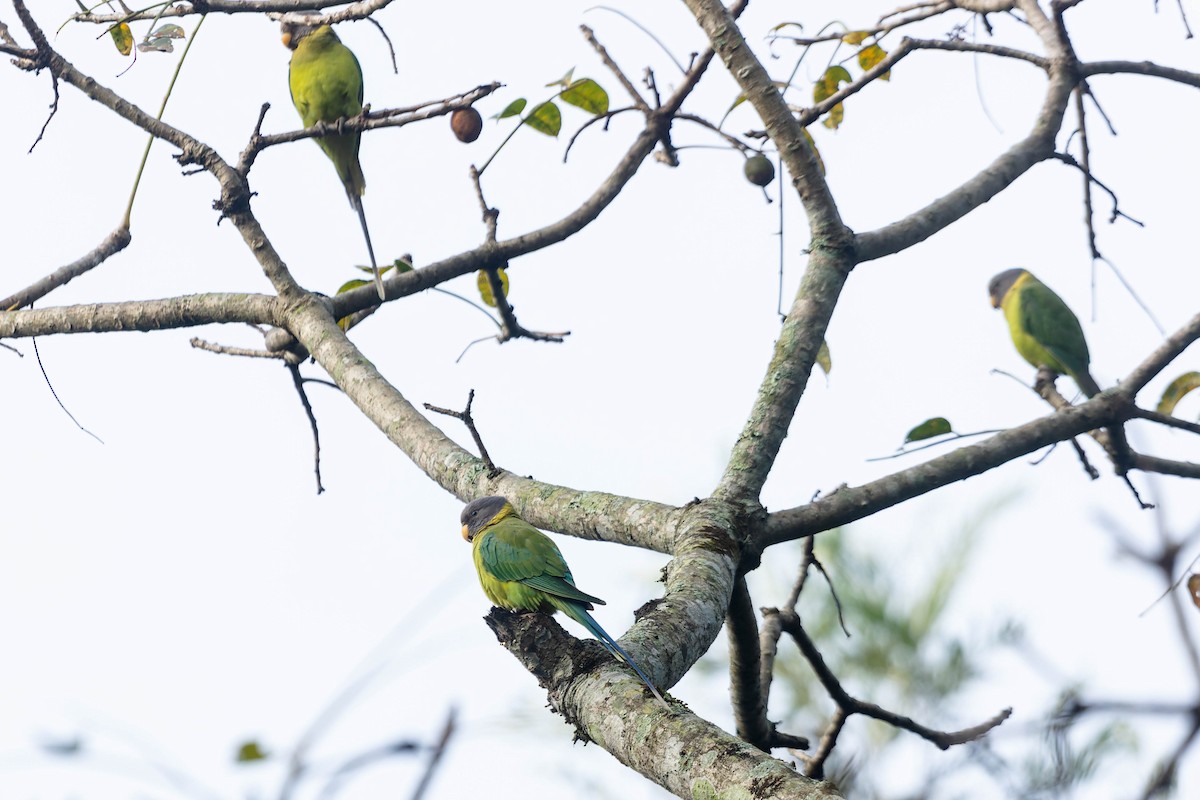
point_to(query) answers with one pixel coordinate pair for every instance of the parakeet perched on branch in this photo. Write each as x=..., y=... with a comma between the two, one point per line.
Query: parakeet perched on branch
x=1044, y=330
x=327, y=85
x=521, y=569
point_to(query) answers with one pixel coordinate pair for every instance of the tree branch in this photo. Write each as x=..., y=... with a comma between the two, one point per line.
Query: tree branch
x=846, y=505
x=607, y=704
x=1037, y=146
x=745, y=690
x=831, y=259
x=114, y=243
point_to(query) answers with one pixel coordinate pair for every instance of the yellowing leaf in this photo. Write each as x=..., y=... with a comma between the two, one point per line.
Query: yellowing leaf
x=936, y=426
x=512, y=109
x=585, y=93
x=485, y=286
x=250, y=751
x=546, y=118
x=1175, y=392
x=827, y=86
x=834, y=117
x=824, y=360
x=1193, y=584
x=855, y=37
x=816, y=152
x=834, y=77
x=871, y=55
x=565, y=80
x=123, y=38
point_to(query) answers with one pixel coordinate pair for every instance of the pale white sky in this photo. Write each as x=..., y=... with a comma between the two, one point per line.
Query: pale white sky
x=181, y=587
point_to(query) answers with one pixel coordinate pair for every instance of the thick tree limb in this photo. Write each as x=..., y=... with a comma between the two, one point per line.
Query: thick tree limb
x=142, y=315
x=749, y=705
x=829, y=265
x=607, y=704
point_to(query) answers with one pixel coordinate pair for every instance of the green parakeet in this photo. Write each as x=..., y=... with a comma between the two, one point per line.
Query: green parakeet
x=1044, y=330
x=327, y=85
x=521, y=569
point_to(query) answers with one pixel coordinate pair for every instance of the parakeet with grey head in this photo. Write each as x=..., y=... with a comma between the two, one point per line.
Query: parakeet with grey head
x=521, y=569
x=1045, y=331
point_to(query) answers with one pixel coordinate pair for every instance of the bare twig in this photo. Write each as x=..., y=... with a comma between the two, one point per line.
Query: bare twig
x=37, y=355
x=114, y=243
x=638, y=101
x=435, y=757
x=312, y=422
x=465, y=417
x=243, y=352
x=942, y=739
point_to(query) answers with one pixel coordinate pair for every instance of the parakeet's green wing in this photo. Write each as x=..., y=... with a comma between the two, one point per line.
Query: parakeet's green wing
x=513, y=550
x=1055, y=327
x=326, y=84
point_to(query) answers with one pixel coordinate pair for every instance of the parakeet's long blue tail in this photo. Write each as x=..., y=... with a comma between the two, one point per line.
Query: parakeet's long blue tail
x=362, y=218
x=578, y=613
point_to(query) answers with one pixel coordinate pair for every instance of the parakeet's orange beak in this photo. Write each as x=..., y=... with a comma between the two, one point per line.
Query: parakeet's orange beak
x=287, y=39
x=466, y=533
x=995, y=301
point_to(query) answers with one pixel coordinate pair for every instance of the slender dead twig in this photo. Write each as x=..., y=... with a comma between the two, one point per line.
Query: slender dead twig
x=298, y=382
x=850, y=705
x=243, y=352
x=435, y=757
x=465, y=417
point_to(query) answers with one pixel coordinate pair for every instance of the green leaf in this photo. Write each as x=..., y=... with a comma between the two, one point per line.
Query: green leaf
x=855, y=37
x=783, y=25
x=168, y=31
x=159, y=44
x=871, y=55
x=564, y=81
x=824, y=360
x=352, y=284
x=512, y=109
x=546, y=119
x=249, y=751
x=1175, y=392
x=585, y=93
x=400, y=265
x=123, y=38
x=937, y=426
x=485, y=286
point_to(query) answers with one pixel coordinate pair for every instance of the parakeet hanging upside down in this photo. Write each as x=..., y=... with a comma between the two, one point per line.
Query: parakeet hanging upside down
x=1044, y=330
x=521, y=569
x=327, y=85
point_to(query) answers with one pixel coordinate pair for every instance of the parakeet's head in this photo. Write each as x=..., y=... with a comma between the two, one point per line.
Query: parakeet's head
x=999, y=285
x=482, y=512
x=295, y=26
